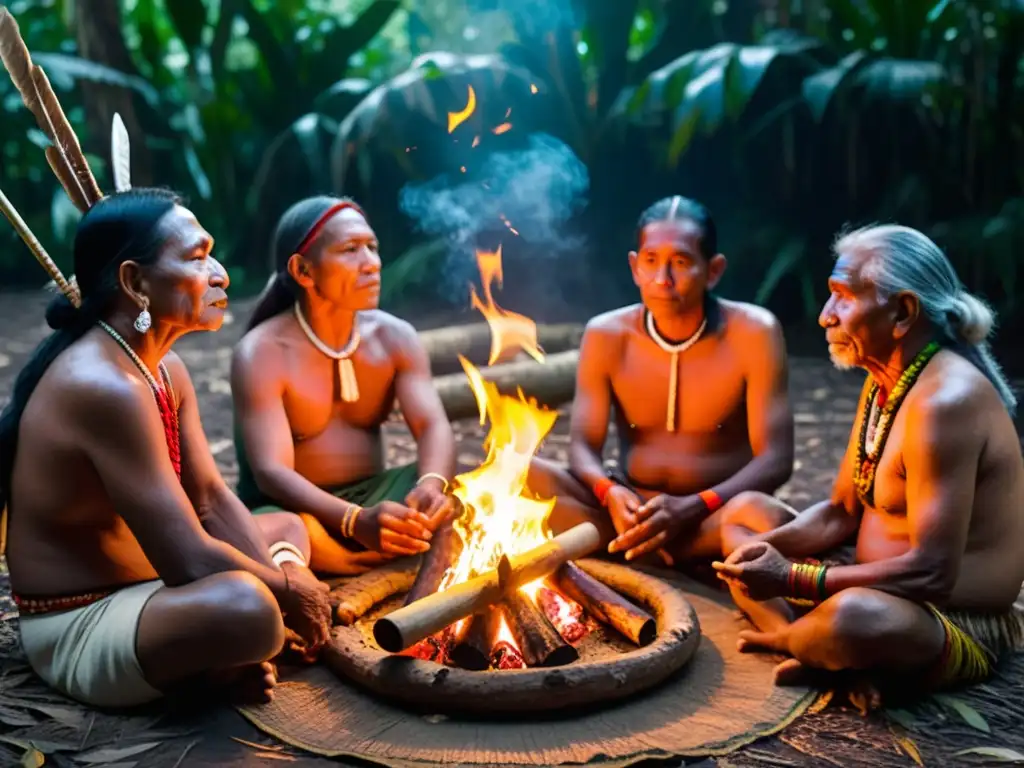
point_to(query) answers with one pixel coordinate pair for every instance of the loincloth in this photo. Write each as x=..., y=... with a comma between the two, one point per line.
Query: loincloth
x=390, y=485
x=88, y=652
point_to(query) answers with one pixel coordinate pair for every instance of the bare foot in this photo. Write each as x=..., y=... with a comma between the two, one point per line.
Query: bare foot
x=790, y=672
x=252, y=684
x=864, y=694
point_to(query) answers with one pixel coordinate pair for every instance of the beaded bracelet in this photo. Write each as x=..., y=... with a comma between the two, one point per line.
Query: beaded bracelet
x=808, y=581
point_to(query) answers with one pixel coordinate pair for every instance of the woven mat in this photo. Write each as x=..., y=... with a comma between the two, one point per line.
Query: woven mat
x=719, y=702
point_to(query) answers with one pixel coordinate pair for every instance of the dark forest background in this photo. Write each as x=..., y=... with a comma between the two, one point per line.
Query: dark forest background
x=789, y=118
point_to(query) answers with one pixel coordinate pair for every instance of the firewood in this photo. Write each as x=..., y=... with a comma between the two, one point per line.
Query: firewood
x=473, y=649
x=445, y=548
x=605, y=604
x=473, y=342
x=538, y=640
x=411, y=623
x=552, y=383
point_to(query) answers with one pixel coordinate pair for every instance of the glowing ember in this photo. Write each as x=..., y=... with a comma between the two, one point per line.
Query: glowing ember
x=455, y=119
x=500, y=129
x=509, y=331
x=476, y=141
x=565, y=615
x=533, y=88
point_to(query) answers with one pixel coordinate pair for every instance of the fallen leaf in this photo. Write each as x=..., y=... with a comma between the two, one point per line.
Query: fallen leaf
x=33, y=758
x=275, y=756
x=254, y=745
x=15, y=717
x=910, y=748
x=970, y=715
x=1002, y=754
x=113, y=754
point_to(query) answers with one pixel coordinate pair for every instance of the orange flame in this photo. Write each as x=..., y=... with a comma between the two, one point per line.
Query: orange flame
x=455, y=119
x=509, y=331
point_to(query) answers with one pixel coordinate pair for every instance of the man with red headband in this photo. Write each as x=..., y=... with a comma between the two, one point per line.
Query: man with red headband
x=315, y=378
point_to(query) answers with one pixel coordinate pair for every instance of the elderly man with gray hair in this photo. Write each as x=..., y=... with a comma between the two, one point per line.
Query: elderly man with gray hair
x=931, y=490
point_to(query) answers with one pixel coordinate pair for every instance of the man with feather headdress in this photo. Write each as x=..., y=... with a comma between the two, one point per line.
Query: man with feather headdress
x=138, y=573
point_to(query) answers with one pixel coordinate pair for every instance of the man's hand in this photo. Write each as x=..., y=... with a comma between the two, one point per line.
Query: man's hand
x=622, y=506
x=306, y=607
x=658, y=522
x=430, y=499
x=757, y=569
x=393, y=529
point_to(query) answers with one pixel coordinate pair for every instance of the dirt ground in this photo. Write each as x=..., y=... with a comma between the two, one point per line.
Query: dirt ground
x=824, y=400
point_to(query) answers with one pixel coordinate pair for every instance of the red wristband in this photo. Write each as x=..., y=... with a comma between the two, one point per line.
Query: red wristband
x=711, y=500
x=601, y=488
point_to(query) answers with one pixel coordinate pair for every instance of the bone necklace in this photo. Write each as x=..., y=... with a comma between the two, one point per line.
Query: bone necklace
x=346, y=371
x=674, y=350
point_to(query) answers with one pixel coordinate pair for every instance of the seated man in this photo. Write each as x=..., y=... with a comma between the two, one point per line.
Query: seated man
x=136, y=571
x=931, y=487
x=698, y=386
x=315, y=378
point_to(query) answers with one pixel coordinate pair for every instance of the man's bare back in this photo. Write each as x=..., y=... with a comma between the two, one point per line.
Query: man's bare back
x=991, y=569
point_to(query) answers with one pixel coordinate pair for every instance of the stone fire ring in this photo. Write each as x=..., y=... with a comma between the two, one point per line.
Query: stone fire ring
x=354, y=655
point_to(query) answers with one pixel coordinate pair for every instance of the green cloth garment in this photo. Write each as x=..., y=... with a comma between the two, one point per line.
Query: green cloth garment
x=390, y=485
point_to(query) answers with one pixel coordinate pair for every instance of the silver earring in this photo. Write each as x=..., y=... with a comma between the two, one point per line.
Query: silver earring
x=144, y=321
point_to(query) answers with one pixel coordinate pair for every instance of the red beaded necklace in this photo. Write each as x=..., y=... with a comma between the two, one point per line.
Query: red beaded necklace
x=164, y=397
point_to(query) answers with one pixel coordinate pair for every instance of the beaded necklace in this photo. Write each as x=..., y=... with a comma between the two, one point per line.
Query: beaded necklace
x=164, y=397
x=876, y=423
x=674, y=350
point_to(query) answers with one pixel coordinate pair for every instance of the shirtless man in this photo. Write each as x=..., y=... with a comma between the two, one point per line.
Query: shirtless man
x=315, y=378
x=698, y=386
x=136, y=570
x=931, y=487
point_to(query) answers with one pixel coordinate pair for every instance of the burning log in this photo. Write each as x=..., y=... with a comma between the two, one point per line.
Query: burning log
x=605, y=604
x=551, y=383
x=473, y=649
x=445, y=549
x=411, y=623
x=473, y=342
x=566, y=616
x=538, y=640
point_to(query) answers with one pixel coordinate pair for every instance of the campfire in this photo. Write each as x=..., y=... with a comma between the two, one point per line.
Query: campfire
x=497, y=590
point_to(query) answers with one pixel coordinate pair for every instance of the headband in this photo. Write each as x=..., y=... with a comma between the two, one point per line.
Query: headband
x=320, y=223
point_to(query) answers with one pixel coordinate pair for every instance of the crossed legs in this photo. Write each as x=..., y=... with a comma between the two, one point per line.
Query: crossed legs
x=856, y=629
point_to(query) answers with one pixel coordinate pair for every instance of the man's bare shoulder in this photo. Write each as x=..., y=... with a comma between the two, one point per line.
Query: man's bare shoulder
x=750, y=320
x=952, y=387
x=265, y=342
x=398, y=336
x=85, y=383
x=615, y=324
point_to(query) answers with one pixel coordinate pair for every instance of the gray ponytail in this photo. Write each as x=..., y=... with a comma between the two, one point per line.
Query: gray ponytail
x=907, y=260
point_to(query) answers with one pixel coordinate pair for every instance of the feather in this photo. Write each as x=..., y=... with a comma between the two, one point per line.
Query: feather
x=39, y=98
x=38, y=251
x=120, y=155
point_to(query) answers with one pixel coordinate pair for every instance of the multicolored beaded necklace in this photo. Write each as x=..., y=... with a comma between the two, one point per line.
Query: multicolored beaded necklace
x=876, y=422
x=164, y=397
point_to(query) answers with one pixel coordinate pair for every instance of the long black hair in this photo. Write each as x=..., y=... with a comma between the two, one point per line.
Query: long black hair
x=296, y=230
x=118, y=228
x=678, y=208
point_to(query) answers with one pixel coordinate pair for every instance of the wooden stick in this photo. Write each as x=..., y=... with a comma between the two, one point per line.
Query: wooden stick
x=473, y=649
x=538, y=640
x=473, y=342
x=411, y=623
x=444, y=550
x=551, y=383
x=605, y=604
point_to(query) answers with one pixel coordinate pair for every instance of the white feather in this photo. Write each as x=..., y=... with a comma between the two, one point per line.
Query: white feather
x=120, y=155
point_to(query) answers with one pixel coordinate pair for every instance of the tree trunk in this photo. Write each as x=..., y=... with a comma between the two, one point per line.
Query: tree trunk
x=98, y=34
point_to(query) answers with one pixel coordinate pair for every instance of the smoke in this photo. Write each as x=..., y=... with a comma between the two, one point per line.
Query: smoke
x=533, y=191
